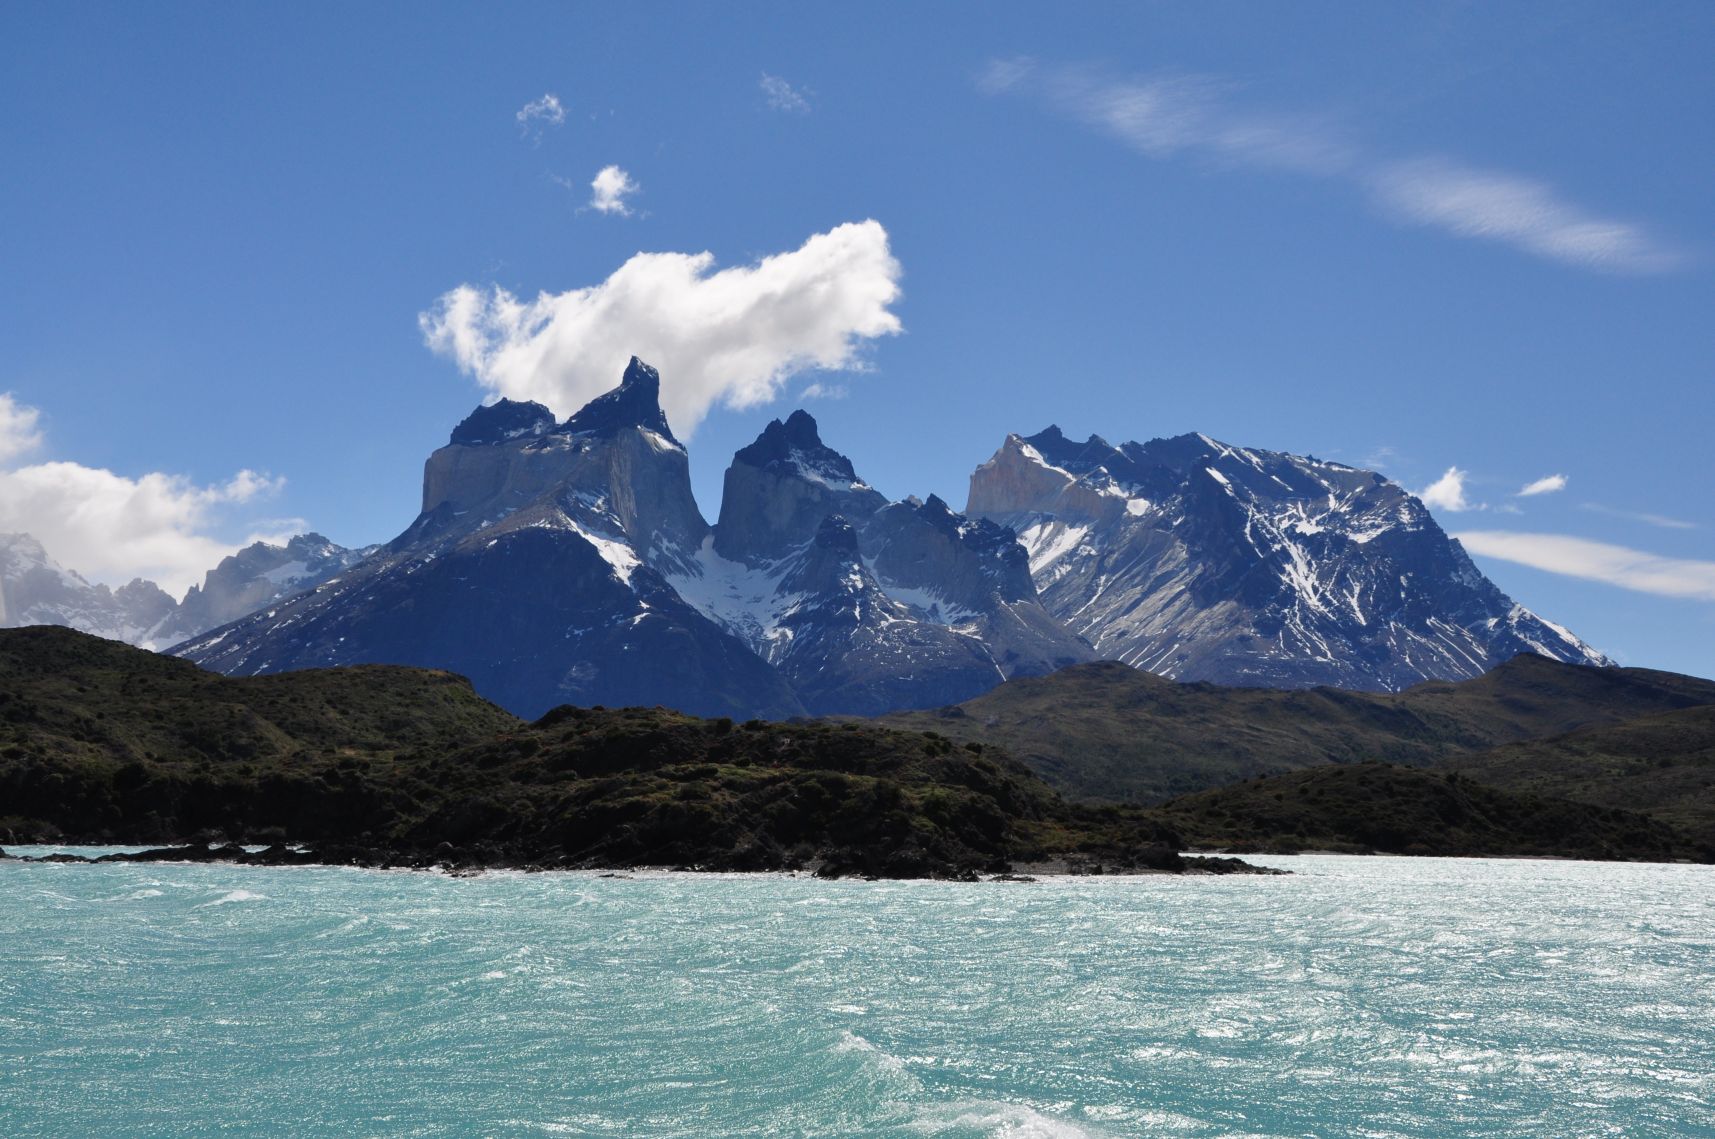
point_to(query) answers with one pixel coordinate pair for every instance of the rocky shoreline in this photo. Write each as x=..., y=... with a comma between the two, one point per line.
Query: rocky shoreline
x=447, y=859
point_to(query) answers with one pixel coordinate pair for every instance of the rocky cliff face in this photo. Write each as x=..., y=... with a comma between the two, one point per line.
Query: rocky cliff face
x=257, y=576
x=532, y=570
x=1202, y=561
x=861, y=603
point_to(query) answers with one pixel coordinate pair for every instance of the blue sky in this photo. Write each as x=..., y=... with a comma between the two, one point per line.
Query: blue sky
x=1414, y=237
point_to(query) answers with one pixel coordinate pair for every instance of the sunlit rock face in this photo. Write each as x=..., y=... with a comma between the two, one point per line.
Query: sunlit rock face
x=536, y=569
x=1202, y=561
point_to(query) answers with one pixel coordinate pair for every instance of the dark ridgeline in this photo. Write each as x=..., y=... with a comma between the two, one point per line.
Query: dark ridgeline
x=1108, y=731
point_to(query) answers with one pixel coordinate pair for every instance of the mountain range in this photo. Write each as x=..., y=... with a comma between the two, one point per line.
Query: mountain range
x=559, y=562
x=37, y=590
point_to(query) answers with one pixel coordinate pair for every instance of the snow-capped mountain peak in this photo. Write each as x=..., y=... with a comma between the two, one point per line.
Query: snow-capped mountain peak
x=1204, y=561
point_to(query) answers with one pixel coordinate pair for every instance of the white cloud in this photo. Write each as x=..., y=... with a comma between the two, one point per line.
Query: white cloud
x=782, y=96
x=1168, y=115
x=820, y=390
x=1518, y=211
x=18, y=431
x=1164, y=115
x=610, y=186
x=733, y=336
x=1448, y=492
x=1548, y=484
x=112, y=528
x=1660, y=520
x=538, y=113
x=1597, y=561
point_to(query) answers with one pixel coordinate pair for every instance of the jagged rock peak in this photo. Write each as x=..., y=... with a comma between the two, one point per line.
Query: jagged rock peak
x=501, y=422
x=1080, y=458
x=838, y=535
x=636, y=402
x=796, y=443
x=938, y=514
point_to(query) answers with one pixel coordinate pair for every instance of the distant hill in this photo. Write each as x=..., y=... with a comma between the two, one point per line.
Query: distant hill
x=101, y=742
x=1401, y=810
x=1107, y=731
x=1663, y=764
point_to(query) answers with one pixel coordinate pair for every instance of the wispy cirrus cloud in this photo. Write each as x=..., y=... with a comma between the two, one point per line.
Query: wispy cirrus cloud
x=1597, y=561
x=547, y=111
x=782, y=96
x=1661, y=520
x=1520, y=212
x=1548, y=484
x=1168, y=115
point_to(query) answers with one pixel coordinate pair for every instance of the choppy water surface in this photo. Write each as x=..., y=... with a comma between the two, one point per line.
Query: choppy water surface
x=1375, y=997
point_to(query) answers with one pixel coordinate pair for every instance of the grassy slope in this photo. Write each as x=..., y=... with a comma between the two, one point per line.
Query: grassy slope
x=1663, y=764
x=1373, y=806
x=101, y=742
x=1106, y=731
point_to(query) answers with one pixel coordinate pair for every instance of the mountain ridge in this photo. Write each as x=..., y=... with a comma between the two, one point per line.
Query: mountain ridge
x=568, y=561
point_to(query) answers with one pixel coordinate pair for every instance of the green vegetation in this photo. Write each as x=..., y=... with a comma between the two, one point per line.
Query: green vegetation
x=1663, y=764
x=1402, y=810
x=101, y=742
x=1109, y=732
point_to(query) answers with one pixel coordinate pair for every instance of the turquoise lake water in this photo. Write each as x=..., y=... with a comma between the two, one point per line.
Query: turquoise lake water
x=1360, y=996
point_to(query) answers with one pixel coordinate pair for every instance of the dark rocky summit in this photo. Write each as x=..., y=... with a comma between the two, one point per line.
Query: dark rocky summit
x=501, y=422
x=634, y=405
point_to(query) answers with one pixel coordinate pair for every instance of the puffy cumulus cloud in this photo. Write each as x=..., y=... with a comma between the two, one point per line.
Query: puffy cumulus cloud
x=733, y=336
x=1448, y=492
x=18, y=431
x=113, y=528
x=782, y=96
x=609, y=189
x=110, y=527
x=1597, y=561
x=1548, y=484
